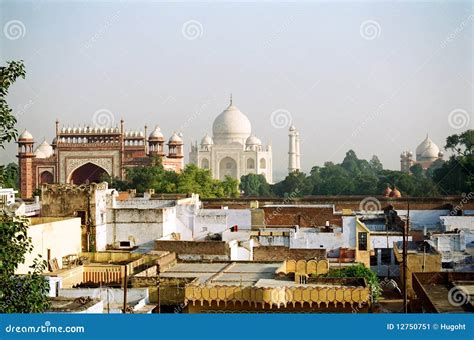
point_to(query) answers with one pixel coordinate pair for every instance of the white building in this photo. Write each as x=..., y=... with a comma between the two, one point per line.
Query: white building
x=232, y=150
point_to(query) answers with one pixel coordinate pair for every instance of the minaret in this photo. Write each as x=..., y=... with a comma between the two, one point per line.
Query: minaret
x=25, y=160
x=292, y=152
x=298, y=158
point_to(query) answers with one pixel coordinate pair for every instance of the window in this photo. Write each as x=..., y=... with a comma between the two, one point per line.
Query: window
x=263, y=163
x=250, y=163
x=362, y=240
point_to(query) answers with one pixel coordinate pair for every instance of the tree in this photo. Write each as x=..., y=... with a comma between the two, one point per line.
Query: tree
x=417, y=170
x=230, y=187
x=359, y=270
x=10, y=176
x=254, y=185
x=20, y=293
x=296, y=184
x=8, y=132
x=375, y=164
x=456, y=176
x=8, y=76
x=462, y=144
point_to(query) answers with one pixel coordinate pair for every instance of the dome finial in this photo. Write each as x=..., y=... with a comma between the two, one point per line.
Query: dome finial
x=231, y=99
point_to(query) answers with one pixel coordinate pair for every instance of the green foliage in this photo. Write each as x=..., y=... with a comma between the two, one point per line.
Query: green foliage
x=8, y=75
x=9, y=176
x=254, y=185
x=191, y=180
x=20, y=293
x=359, y=270
x=456, y=176
x=296, y=184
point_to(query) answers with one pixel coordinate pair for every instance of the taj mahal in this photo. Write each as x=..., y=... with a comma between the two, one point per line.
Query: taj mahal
x=232, y=150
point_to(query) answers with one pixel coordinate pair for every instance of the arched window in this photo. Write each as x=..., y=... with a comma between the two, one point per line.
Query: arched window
x=263, y=163
x=205, y=163
x=250, y=163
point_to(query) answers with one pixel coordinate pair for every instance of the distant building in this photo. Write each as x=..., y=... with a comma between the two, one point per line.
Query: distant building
x=84, y=154
x=294, y=156
x=232, y=150
x=426, y=154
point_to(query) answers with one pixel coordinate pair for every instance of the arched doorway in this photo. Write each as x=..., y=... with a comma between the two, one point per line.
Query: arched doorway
x=227, y=167
x=87, y=173
x=205, y=163
x=46, y=177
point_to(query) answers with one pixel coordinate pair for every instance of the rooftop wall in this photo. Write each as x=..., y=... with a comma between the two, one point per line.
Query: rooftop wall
x=193, y=247
x=281, y=253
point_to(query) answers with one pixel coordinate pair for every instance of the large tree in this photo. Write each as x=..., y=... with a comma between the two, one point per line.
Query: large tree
x=456, y=176
x=254, y=185
x=18, y=293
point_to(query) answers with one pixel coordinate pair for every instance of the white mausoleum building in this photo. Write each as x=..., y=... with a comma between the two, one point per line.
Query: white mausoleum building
x=232, y=150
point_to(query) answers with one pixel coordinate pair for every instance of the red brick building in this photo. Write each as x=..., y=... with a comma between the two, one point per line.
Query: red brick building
x=83, y=154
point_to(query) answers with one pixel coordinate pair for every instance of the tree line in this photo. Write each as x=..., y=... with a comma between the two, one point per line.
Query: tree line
x=353, y=176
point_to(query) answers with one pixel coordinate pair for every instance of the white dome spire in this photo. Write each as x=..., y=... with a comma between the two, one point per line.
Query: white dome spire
x=427, y=150
x=231, y=126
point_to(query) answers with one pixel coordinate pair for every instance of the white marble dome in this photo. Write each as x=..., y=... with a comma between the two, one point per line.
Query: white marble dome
x=206, y=140
x=156, y=133
x=253, y=140
x=25, y=135
x=231, y=126
x=44, y=150
x=175, y=138
x=427, y=150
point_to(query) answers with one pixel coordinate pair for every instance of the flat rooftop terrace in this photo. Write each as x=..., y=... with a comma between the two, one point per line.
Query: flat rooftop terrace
x=225, y=273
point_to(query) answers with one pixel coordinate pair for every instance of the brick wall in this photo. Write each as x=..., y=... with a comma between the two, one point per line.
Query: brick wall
x=193, y=247
x=304, y=217
x=281, y=253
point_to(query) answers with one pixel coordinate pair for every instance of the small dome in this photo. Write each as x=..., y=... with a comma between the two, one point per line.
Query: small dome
x=55, y=141
x=25, y=135
x=175, y=138
x=395, y=193
x=427, y=150
x=206, y=140
x=252, y=140
x=440, y=154
x=156, y=134
x=292, y=128
x=44, y=150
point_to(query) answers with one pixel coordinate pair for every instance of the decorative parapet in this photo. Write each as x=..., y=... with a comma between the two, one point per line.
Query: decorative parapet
x=304, y=267
x=45, y=187
x=278, y=296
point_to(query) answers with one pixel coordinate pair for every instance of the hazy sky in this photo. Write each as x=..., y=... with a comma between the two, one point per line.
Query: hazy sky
x=370, y=76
